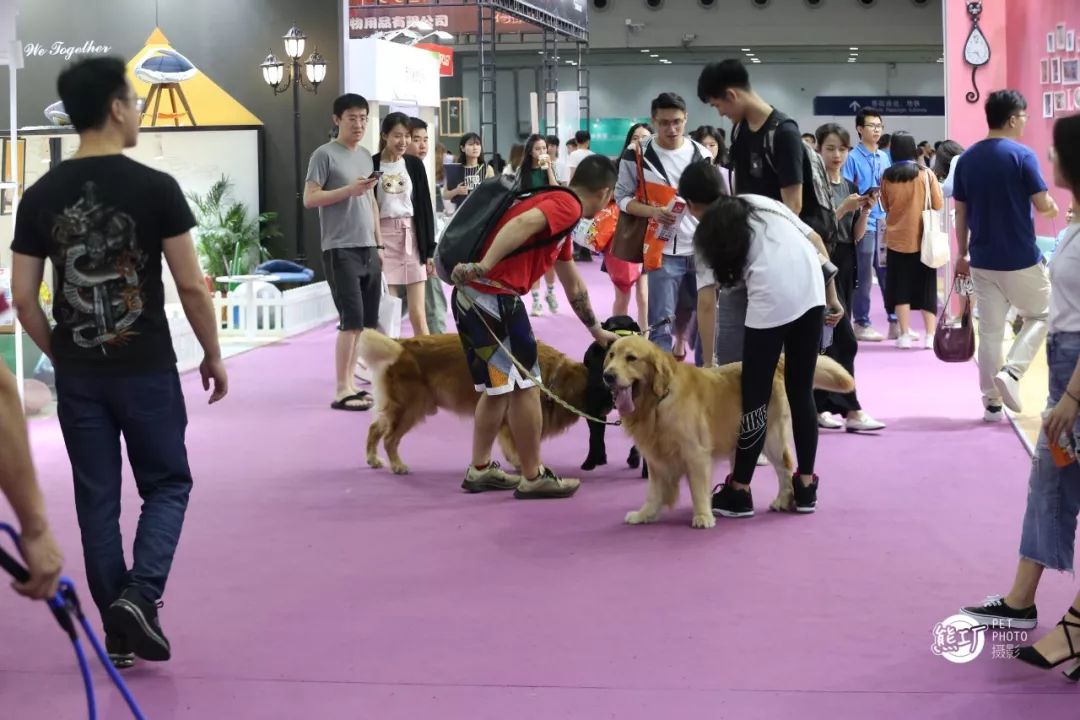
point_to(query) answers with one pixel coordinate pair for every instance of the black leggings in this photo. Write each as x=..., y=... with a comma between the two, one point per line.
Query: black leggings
x=800, y=340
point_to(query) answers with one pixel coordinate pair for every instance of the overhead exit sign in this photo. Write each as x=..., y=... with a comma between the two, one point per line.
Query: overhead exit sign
x=891, y=105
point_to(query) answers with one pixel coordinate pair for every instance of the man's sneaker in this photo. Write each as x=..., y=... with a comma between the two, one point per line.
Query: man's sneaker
x=828, y=421
x=135, y=618
x=1009, y=386
x=493, y=477
x=997, y=614
x=805, y=495
x=992, y=414
x=119, y=652
x=546, y=485
x=538, y=307
x=731, y=503
x=866, y=333
x=552, y=301
x=863, y=423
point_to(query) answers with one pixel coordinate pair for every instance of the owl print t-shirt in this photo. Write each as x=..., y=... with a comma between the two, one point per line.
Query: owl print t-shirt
x=395, y=190
x=101, y=221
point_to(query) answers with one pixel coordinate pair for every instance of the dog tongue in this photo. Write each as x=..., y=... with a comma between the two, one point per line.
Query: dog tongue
x=624, y=400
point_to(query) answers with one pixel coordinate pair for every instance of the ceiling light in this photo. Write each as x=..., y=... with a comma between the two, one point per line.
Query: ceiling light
x=646, y=50
x=654, y=56
x=749, y=54
x=854, y=48
x=746, y=49
x=756, y=61
x=851, y=60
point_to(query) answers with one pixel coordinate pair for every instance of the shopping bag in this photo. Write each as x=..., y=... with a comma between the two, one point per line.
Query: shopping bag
x=934, y=250
x=389, y=312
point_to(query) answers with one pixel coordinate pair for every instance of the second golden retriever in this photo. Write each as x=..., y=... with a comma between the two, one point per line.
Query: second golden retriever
x=683, y=418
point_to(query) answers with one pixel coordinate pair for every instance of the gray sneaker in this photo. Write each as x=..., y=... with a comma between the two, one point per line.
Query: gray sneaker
x=546, y=485
x=493, y=477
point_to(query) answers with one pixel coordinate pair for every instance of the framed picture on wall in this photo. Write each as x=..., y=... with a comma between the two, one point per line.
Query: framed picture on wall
x=1055, y=70
x=1070, y=71
x=1048, y=105
x=1061, y=36
x=1070, y=41
x=1051, y=45
x=1060, y=103
x=1044, y=72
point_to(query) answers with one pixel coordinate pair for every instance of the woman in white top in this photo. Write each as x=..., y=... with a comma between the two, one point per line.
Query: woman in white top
x=759, y=241
x=406, y=218
x=1053, y=499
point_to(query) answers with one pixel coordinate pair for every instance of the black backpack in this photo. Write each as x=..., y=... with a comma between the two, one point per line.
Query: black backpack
x=817, y=207
x=463, y=239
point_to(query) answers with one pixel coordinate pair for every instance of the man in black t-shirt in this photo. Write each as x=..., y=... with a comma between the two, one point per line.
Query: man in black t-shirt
x=104, y=221
x=766, y=155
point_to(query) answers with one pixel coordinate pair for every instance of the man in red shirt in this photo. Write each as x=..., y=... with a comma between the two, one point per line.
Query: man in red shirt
x=487, y=300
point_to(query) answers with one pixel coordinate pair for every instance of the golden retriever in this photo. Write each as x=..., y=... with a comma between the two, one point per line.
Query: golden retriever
x=683, y=418
x=416, y=377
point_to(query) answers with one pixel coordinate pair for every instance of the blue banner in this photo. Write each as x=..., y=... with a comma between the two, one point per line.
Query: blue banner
x=889, y=105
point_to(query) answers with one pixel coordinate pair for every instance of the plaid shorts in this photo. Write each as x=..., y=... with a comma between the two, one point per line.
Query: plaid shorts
x=492, y=369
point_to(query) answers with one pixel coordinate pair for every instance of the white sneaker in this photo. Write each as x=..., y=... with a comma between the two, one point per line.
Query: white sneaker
x=537, y=308
x=1009, y=387
x=828, y=421
x=904, y=342
x=928, y=341
x=863, y=423
x=914, y=335
x=867, y=334
x=993, y=414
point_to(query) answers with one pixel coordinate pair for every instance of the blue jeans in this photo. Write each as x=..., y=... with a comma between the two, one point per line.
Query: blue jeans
x=664, y=283
x=1053, y=501
x=149, y=411
x=867, y=262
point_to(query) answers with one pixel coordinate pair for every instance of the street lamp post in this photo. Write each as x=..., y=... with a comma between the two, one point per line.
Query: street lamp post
x=274, y=73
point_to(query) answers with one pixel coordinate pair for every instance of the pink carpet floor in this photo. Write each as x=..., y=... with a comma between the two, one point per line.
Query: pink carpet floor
x=309, y=586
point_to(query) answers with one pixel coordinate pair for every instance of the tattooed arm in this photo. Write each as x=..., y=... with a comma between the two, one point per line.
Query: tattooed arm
x=578, y=293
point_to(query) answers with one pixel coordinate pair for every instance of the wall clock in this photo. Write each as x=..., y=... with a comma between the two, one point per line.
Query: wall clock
x=976, y=49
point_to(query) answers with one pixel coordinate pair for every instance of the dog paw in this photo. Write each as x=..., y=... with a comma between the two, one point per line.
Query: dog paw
x=703, y=522
x=399, y=468
x=636, y=517
x=374, y=461
x=784, y=502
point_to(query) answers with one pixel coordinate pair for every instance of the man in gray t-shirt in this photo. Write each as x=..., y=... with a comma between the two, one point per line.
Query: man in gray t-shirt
x=340, y=185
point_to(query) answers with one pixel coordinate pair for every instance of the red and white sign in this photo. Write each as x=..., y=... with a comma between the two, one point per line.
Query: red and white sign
x=445, y=55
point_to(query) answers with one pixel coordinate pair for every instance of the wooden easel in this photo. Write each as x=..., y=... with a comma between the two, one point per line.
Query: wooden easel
x=174, y=89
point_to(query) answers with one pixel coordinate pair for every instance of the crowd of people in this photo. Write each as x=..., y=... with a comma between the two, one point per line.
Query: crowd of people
x=773, y=252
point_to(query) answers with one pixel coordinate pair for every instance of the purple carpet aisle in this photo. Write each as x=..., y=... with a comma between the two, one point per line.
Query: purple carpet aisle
x=308, y=586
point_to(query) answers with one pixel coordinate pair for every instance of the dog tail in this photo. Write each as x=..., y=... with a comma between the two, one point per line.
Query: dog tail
x=831, y=376
x=378, y=351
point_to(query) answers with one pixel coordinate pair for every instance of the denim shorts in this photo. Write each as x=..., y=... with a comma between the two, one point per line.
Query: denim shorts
x=1053, y=501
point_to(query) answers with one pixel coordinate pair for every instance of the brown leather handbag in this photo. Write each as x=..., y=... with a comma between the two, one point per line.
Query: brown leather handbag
x=628, y=243
x=955, y=343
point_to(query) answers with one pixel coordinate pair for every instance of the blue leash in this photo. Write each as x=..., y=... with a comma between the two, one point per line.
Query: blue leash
x=63, y=606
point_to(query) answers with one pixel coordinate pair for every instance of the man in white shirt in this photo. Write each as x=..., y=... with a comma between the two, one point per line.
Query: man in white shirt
x=664, y=157
x=581, y=137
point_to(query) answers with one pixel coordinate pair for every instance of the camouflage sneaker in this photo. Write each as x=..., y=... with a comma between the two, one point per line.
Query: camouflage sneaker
x=546, y=485
x=492, y=477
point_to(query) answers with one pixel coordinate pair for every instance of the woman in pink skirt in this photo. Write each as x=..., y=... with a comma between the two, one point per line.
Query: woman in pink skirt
x=406, y=218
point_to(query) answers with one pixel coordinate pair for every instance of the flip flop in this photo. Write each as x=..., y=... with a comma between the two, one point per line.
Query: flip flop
x=363, y=398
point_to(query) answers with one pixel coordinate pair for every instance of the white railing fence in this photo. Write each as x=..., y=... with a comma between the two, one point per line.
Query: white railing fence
x=241, y=316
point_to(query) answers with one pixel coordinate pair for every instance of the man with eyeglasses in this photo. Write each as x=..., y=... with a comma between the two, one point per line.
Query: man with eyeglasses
x=997, y=182
x=664, y=157
x=865, y=165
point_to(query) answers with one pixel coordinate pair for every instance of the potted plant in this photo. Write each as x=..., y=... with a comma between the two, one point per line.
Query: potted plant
x=230, y=240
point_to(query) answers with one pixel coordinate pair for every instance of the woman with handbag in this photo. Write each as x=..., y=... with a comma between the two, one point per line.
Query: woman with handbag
x=906, y=191
x=1053, y=499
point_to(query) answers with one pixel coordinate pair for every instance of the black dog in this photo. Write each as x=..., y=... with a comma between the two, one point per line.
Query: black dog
x=598, y=400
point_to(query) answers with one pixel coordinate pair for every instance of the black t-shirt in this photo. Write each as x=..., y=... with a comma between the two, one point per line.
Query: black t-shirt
x=101, y=221
x=756, y=175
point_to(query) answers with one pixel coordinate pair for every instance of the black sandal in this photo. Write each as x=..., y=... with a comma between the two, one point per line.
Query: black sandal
x=363, y=398
x=1031, y=656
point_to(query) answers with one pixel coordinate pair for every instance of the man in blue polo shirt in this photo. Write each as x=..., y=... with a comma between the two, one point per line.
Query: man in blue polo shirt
x=864, y=167
x=997, y=182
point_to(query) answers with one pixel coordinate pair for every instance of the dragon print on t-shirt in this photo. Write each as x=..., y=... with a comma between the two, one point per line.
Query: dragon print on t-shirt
x=102, y=295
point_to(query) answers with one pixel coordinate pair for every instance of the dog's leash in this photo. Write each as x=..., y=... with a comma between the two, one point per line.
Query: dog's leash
x=470, y=304
x=63, y=606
